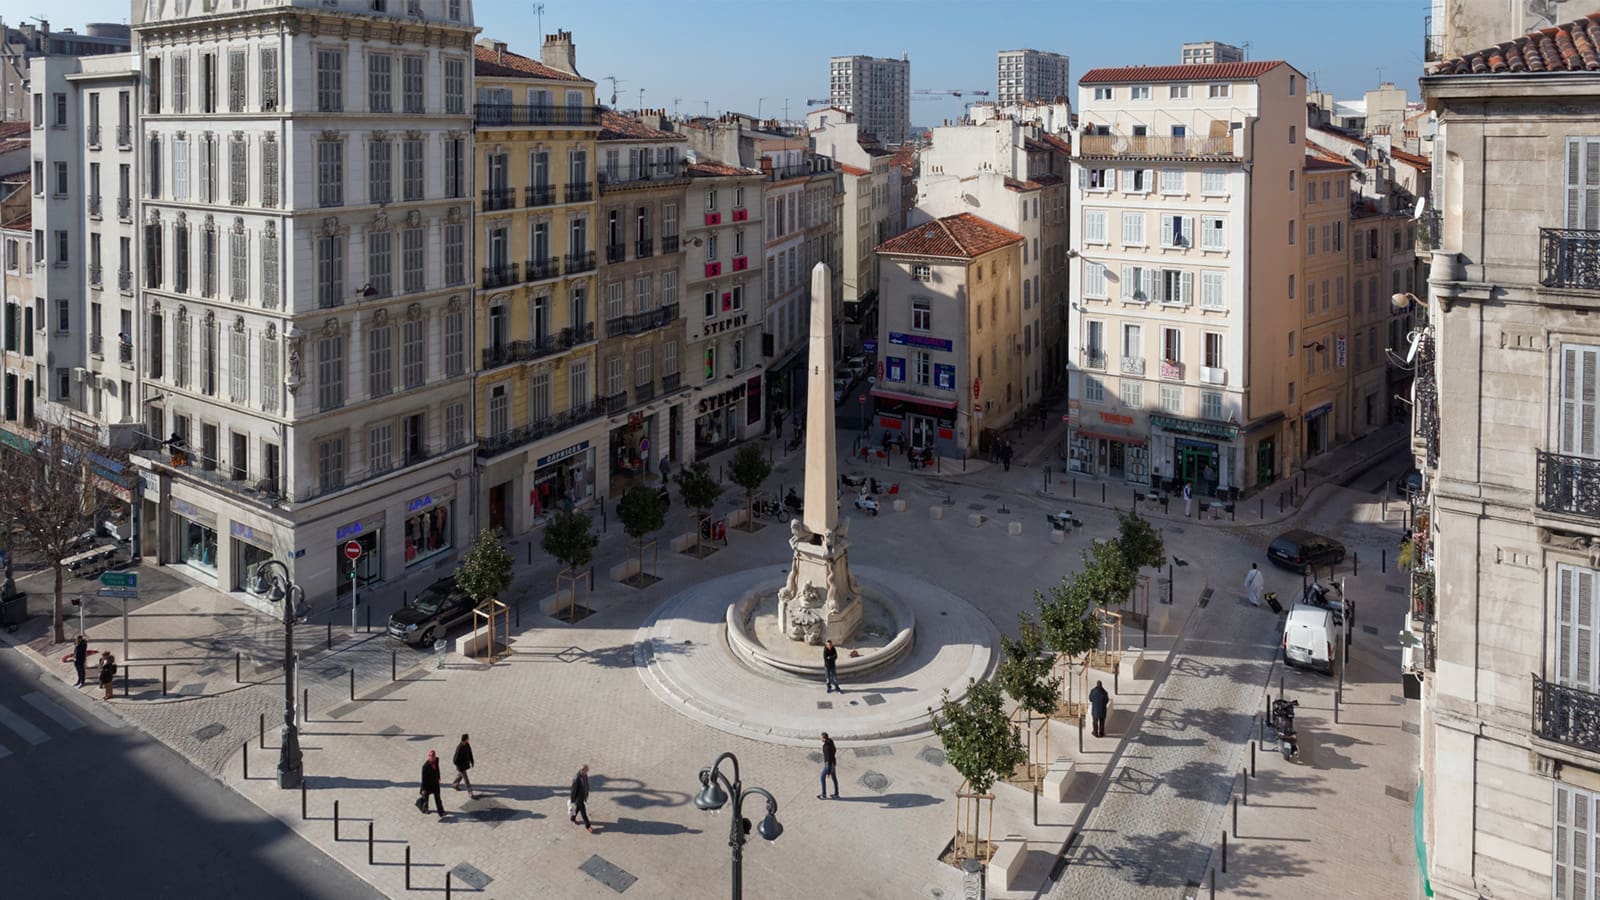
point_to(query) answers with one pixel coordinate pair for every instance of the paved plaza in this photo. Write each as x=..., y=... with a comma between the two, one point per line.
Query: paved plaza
x=1144, y=817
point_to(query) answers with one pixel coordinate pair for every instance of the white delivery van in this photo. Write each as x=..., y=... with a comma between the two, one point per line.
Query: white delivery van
x=1308, y=636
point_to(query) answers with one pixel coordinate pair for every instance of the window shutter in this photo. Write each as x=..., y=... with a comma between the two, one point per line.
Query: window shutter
x=1167, y=236
x=1130, y=285
x=1578, y=374
x=1188, y=231
x=1583, y=183
x=1187, y=289
x=1575, y=609
x=1083, y=178
x=1111, y=180
x=1151, y=282
x=1149, y=179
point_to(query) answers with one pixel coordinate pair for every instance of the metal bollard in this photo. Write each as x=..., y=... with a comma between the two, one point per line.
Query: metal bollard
x=1262, y=512
x=1246, y=783
x=1074, y=488
x=303, y=815
x=352, y=683
x=330, y=635
x=1080, y=734
x=369, y=835
x=516, y=612
x=1036, y=803
x=263, y=731
x=1252, y=771
x=336, y=820
x=393, y=665
x=1383, y=561
x=126, y=678
x=1235, y=820
x=1335, y=706
x=163, y=680
x=447, y=886
x=530, y=562
x=1102, y=492
x=1280, y=686
x=1224, y=853
x=1355, y=564
x=238, y=668
x=1213, y=884
x=1280, y=501
x=1116, y=685
x=305, y=705
x=408, y=867
x=369, y=620
x=246, y=760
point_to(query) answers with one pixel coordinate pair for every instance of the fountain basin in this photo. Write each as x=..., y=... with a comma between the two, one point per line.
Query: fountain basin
x=887, y=631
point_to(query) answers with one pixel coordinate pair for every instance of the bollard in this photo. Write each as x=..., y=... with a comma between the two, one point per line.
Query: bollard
x=263, y=731
x=1080, y=733
x=1252, y=771
x=393, y=665
x=530, y=562
x=303, y=815
x=305, y=705
x=516, y=612
x=369, y=834
x=126, y=679
x=1074, y=488
x=1235, y=820
x=1213, y=884
x=369, y=620
x=1280, y=686
x=336, y=820
x=1233, y=511
x=1135, y=493
x=1355, y=564
x=1383, y=561
x=1116, y=687
x=408, y=867
x=352, y=683
x=1144, y=627
x=1102, y=492
x=1246, y=783
x=1036, y=803
x=1335, y=706
x=1224, y=853
x=1172, y=583
x=1262, y=512
x=1280, y=501
x=238, y=670
x=447, y=886
x=246, y=760
x=163, y=680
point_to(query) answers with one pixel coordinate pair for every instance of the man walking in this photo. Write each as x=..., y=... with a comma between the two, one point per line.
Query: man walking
x=578, y=798
x=830, y=767
x=463, y=762
x=430, y=784
x=1252, y=585
x=1098, y=701
x=80, y=657
x=1188, y=494
x=830, y=667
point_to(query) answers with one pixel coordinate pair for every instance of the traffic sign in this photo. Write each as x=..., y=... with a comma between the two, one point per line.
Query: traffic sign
x=872, y=379
x=644, y=447
x=121, y=593
x=352, y=550
x=1066, y=418
x=861, y=398
x=870, y=345
x=120, y=579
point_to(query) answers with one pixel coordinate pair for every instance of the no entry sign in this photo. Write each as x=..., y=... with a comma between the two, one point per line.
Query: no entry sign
x=352, y=550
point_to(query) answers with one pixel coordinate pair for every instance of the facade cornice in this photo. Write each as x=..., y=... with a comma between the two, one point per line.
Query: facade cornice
x=311, y=22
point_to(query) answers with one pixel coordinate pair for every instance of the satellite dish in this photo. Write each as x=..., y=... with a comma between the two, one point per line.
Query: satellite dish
x=1419, y=209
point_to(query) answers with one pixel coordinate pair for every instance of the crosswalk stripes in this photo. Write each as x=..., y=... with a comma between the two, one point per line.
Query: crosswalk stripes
x=55, y=711
x=22, y=727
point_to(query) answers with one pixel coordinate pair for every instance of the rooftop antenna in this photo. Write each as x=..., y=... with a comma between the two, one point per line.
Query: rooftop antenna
x=786, y=109
x=614, y=82
x=1380, y=74
x=675, y=102
x=1245, y=46
x=538, y=11
x=641, y=99
x=708, y=107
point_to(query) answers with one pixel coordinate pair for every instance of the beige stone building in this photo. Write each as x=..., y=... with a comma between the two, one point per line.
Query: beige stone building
x=1505, y=605
x=1324, y=342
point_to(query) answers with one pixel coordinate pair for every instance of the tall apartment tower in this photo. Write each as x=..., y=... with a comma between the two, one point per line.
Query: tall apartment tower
x=1025, y=75
x=876, y=91
x=306, y=310
x=1206, y=52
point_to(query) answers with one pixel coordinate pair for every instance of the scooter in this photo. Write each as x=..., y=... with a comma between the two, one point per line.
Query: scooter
x=872, y=484
x=1283, y=727
x=769, y=508
x=866, y=501
x=794, y=503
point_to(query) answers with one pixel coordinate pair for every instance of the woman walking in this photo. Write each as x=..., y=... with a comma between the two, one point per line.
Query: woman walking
x=108, y=673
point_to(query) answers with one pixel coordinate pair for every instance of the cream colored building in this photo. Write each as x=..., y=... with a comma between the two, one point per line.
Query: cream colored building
x=1324, y=343
x=1187, y=297
x=1504, y=609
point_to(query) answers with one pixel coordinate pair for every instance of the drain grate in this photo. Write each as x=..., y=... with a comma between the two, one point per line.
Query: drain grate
x=607, y=873
x=1400, y=794
x=874, y=699
x=824, y=704
x=976, y=507
x=879, y=750
x=208, y=732
x=470, y=875
x=932, y=755
x=877, y=782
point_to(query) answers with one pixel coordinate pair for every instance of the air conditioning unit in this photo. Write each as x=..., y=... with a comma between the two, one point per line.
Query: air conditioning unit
x=100, y=381
x=80, y=375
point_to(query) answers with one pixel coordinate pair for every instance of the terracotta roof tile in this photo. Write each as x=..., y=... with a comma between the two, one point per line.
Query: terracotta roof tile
x=615, y=126
x=1421, y=162
x=717, y=170
x=853, y=170
x=1573, y=47
x=21, y=223
x=491, y=63
x=14, y=130
x=1324, y=162
x=963, y=236
x=1059, y=143
x=1234, y=71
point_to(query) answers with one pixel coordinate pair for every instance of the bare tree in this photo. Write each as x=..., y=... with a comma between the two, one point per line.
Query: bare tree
x=48, y=498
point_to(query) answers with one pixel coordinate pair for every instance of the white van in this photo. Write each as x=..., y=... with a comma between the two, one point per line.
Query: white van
x=1308, y=636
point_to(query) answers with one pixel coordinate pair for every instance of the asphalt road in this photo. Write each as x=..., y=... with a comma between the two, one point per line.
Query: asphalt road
x=100, y=808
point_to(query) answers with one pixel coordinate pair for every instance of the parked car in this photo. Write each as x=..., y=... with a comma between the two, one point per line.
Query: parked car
x=428, y=615
x=1409, y=484
x=1301, y=551
x=1308, y=636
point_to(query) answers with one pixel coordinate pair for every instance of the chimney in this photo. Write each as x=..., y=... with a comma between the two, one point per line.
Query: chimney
x=558, y=52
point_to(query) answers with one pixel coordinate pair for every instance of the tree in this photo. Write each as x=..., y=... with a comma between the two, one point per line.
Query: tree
x=748, y=470
x=699, y=492
x=1107, y=575
x=485, y=571
x=978, y=739
x=1066, y=626
x=1141, y=544
x=641, y=512
x=48, y=501
x=569, y=540
x=1025, y=671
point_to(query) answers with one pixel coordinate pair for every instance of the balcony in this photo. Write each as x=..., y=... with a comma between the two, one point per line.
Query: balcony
x=125, y=353
x=644, y=248
x=1171, y=371
x=669, y=243
x=94, y=276
x=1153, y=146
x=670, y=383
x=580, y=193
x=125, y=280
x=540, y=269
x=644, y=393
x=616, y=253
x=522, y=351
x=1569, y=258
x=495, y=445
x=1569, y=484
x=94, y=136
x=1213, y=375
x=781, y=173
x=496, y=199
x=539, y=195
x=580, y=262
x=622, y=326
x=1094, y=359
x=643, y=176
x=1133, y=365
x=125, y=208
x=489, y=115
x=1566, y=715
x=94, y=206
x=125, y=136
x=500, y=276
x=615, y=403
x=96, y=346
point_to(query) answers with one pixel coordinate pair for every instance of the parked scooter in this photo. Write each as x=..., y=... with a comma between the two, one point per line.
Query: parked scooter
x=1283, y=727
x=793, y=502
x=866, y=501
x=769, y=507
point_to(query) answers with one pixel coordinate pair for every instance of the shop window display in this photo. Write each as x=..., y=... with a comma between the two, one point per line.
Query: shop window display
x=427, y=534
x=199, y=544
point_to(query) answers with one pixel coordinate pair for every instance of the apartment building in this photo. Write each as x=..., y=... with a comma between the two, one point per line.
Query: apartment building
x=876, y=91
x=1324, y=341
x=21, y=45
x=1503, y=603
x=1188, y=274
x=1205, y=53
x=22, y=352
x=540, y=429
x=949, y=317
x=724, y=307
x=1027, y=75
x=305, y=306
x=869, y=214
x=643, y=193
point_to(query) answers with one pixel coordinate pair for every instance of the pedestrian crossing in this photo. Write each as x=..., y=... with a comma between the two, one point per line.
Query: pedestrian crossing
x=23, y=726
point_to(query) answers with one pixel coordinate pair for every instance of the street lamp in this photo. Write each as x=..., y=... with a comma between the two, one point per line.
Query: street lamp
x=271, y=578
x=712, y=797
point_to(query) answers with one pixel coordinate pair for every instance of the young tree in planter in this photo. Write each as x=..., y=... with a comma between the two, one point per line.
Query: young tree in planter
x=1141, y=544
x=485, y=572
x=1066, y=627
x=979, y=742
x=641, y=512
x=1107, y=575
x=568, y=539
x=47, y=498
x=700, y=492
x=748, y=470
x=1025, y=673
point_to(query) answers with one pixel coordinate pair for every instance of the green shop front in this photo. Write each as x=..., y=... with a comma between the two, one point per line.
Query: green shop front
x=1201, y=453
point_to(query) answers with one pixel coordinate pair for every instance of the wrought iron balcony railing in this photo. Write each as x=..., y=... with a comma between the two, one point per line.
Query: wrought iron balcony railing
x=125, y=137
x=579, y=262
x=503, y=114
x=124, y=208
x=615, y=253
x=495, y=444
x=640, y=323
x=94, y=206
x=521, y=351
x=125, y=280
x=669, y=243
x=1118, y=145
x=1133, y=365
x=499, y=276
x=496, y=199
x=580, y=193
x=644, y=248
x=94, y=135
x=616, y=403
x=94, y=276
x=644, y=393
x=670, y=383
x=539, y=269
x=1568, y=484
x=1094, y=359
x=540, y=195
x=1566, y=715
x=96, y=345
x=1569, y=258
x=125, y=353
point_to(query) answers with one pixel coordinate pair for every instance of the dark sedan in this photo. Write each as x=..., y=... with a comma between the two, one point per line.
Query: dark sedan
x=1303, y=551
x=431, y=613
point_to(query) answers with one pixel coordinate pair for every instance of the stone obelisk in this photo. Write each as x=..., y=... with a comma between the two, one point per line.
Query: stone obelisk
x=820, y=601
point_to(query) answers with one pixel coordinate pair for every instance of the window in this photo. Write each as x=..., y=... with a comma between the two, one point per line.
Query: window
x=1211, y=405
x=1132, y=393
x=1177, y=288
x=208, y=261
x=1218, y=91
x=380, y=171
x=208, y=358
x=1339, y=292
x=380, y=83
x=60, y=179
x=455, y=343
x=1094, y=226
x=380, y=361
x=921, y=273
x=1138, y=181
x=922, y=368
x=270, y=174
x=412, y=259
x=269, y=79
x=921, y=315
x=1172, y=399
x=236, y=82
x=330, y=271
x=1580, y=378
x=238, y=171
x=1102, y=93
x=330, y=465
x=455, y=168
x=330, y=372
x=180, y=258
x=455, y=87
x=1214, y=183
x=330, y=80
x=238, y=264
x=1132, y=342
x=180, y=167
x=330, y=172
x=1212, y=291
x=1094, y=280
x=1097, y=179
x=1213, y=233
x=1177, y=92
x=1338, y=237
x=1291, y=286
x=455, y=265
x=1139, y=92
x=1177, y=231
x=411, y=83
x=1293, y=133
x=1172, y=345
x=1291, y=345
x=1133, y=229
x=413, y=349
x=380, y=440
x=643, y=293
x=238, y=366
x=1171, y=181
x=1577, y=874
x=1094, y=390
x=269, y=267
x=1311, y=240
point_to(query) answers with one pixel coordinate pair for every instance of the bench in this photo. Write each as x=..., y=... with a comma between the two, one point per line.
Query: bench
x=899, y=505
x=1006, y=863
x=1057, y=536
x=936, y=511
x=975, y=519
x=1014, y=528
x=1057, y=779
x=1127, y=662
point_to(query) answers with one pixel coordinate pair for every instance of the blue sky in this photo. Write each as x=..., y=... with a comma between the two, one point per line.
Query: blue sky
x=728, y=55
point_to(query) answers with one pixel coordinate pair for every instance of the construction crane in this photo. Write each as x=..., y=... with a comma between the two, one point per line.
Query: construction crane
x=925, y=94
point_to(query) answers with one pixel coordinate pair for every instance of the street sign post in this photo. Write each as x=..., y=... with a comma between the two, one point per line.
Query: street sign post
x=119, y=579
x=352, y=552
x=122, y=586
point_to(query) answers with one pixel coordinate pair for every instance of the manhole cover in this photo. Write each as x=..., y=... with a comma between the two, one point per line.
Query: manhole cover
x=880, y=750
x=607, y=873
x=824, y=704
x=1398, y=793
x=932, y=755
x=210, y=731
x=1370, y=629
x=874, y=699
x=470, y=875
x=391, y=731
x=877, y=782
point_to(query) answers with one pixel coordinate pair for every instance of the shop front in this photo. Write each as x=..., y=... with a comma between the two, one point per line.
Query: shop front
x=429, y=525
x=1109, y=446
x=366, y=568
x=562, y=480
x=250, y=548
x=721, y=417
x=195, y=536
x=630, y=452
x=1316, y=426
x=922, y=423
x=1198, y=453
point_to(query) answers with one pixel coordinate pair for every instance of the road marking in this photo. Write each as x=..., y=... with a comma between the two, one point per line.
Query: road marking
x=54, y=710
x=22, y=727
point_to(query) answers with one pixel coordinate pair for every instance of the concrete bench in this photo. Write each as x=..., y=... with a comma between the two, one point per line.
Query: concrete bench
x=975, y=519
x=1006, y=864
x=1057, y=536
x=683, y=542
x=1013, y=528
x=1127, y=662
x=624, y=570
x=899, y=506
x=1057, y=779
x=936, y=512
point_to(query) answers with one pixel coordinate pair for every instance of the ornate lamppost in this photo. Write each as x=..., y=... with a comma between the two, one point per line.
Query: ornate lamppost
x=271, y=579
x=712, y=797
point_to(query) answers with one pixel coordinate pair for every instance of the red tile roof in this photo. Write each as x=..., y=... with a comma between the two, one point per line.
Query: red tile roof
x=14, y=130
x=1235, y=71
x=1330, y=131
x=21, y=223
x=1323, y=162
x=615, y=126
x=963, y=236
x=1421, y=162
x=1573, y=47
x=718, y=170
x=494, y=64
x=1059, y=143
x=853, y=170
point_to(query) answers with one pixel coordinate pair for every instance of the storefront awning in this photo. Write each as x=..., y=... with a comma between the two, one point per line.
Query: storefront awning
x=1322, y=410
x=1200, y=429
x=1119, y=437
x=913, y=400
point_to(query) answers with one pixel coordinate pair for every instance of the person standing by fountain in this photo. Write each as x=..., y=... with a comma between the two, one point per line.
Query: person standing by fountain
x=830, y=667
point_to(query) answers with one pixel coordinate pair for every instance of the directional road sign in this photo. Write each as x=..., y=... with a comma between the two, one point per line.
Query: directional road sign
x=120, y=579
x=121, y=593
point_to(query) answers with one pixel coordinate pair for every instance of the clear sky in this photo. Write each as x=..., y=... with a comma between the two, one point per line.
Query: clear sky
x=729, y=54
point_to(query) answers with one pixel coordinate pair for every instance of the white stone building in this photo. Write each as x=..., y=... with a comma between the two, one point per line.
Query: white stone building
x=306, y=304
x=1208, y=52
x=1027, y=75
x=876, y=91
x=869, y=215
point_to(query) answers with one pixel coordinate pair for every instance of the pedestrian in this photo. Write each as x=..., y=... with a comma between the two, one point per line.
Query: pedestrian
x=830, y=767
x=430, y=785
x=830, y=667
x=1098, y=701
x=463, y=762
x=1252, y=585
x=666, y=468
x=578, y=799
x=108, y=673
x=1210, y=475
x=1005, y=455
x=1187, y=496
x=80, y=656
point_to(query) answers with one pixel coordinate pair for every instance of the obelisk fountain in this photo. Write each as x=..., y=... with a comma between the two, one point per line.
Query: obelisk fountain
x=820, y=601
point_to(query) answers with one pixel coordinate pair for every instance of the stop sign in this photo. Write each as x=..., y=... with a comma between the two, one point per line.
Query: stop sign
x=352, y=550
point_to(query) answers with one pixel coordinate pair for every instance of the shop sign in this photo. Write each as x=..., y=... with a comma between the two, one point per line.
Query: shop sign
x=718, y=401
x=1171, y=371
x=896, y=370
x=1199, y=429
x=1338, y=351
x=1116, y=418
x=946, y=434
x=152, y=482
x=245, y=533
x=944, y=377
x=193, y=513
x=559, y=455
x=870, y=345
x=16, y=441
x=418, y=504
x=727, y=324
x=358, y=528
x=886, y=422
x=921, y=340
x=1072, y=411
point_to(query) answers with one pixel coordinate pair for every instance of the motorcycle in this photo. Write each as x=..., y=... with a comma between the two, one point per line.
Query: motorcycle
x=1283, y=727
x=866, y=501
x=714, y=530
x=794, y=503
x=769, y=508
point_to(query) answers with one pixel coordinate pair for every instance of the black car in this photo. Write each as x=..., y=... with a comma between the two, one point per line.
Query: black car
x=1302, y=551
x=431, y=613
